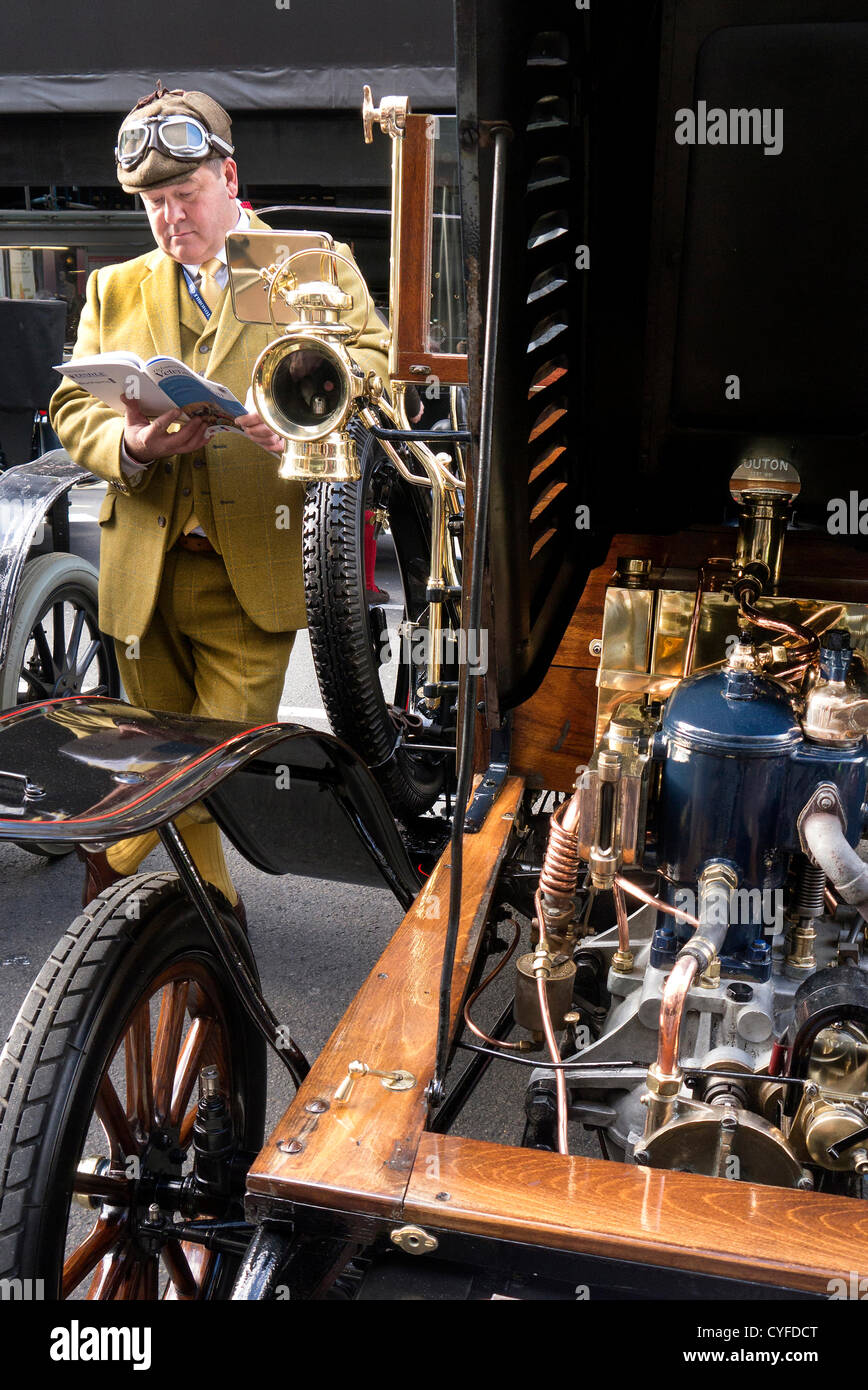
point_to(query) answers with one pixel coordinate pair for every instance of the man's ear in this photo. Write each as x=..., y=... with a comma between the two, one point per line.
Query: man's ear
x=230, y=174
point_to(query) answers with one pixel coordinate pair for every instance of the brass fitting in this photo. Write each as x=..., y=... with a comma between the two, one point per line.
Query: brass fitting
x=622, y=962
x=710, y=979
x=801, y=957
x=659, y=1098
x=661, y=1085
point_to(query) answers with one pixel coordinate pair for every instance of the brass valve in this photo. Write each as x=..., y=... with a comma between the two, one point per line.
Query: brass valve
x=392, y=1080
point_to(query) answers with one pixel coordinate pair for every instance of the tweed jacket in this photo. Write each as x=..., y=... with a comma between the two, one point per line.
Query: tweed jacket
x=142, y=306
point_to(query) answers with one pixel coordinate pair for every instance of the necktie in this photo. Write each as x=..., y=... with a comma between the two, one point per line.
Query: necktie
x=209, y=287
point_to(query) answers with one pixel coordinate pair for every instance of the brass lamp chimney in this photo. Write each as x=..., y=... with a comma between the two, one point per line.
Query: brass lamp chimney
x=306, y=385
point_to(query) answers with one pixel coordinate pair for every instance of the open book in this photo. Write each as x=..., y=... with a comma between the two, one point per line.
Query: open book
x=155, y=386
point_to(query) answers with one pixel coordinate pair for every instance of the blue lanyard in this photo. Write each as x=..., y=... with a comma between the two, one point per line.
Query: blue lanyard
x=194, y=293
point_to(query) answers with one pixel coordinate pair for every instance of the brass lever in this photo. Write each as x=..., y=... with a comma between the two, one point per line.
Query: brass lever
x=392, y=1080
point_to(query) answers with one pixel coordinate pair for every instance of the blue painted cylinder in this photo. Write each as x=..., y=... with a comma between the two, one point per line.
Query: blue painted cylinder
x=729, y=737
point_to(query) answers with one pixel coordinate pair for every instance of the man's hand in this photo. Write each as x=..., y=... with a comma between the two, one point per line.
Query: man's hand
x=256, y=429
x=146, y=440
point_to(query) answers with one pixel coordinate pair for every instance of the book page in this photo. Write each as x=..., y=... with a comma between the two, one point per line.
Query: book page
x=197, y=397
x=118, y=379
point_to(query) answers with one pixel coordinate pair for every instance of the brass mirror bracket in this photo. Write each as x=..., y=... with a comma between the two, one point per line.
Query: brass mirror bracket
x=391, y=115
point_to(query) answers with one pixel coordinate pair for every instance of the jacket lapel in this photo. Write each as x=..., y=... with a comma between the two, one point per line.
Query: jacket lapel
x=160, y=296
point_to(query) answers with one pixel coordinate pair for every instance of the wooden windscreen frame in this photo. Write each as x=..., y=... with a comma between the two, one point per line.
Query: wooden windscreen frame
x=411, y=358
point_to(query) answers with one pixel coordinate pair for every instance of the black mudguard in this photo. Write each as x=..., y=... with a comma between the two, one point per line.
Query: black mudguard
x=292, y=800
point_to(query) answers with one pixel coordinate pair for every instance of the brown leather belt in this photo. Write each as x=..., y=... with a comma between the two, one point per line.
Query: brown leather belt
x=200, y=545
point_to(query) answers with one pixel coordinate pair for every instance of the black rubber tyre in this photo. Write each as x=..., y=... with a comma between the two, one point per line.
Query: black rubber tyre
x=343, y=641
x=55, y=645
x=88, y=1004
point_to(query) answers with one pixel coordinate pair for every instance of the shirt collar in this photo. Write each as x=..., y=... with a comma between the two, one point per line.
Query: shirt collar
x=240, y=226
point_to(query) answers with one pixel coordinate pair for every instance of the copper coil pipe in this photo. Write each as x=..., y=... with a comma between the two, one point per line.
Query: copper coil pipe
x=675, y=993
x=644, y=897
x=560, y=1079
x=788, y=673
x=560, y=870
x=523, y=1045
x=621, y=914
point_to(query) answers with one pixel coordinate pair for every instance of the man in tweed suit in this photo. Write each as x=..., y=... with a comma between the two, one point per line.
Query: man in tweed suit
x=200, y=559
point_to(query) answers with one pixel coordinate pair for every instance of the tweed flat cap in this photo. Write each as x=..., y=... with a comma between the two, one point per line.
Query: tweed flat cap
x=158, y=167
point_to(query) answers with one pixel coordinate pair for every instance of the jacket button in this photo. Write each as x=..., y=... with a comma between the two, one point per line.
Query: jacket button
x=185, y=491
x=168, y=467
x=198, y=463
x=204, y=347
x=161, y=521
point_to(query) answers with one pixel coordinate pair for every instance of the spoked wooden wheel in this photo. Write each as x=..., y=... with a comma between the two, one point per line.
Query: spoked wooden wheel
x=55, y=646
x=98, y=1090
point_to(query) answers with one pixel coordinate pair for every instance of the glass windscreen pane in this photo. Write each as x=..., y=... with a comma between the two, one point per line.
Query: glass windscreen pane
x=447, y=324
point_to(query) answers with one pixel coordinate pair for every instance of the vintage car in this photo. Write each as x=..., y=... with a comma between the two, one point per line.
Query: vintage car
x=636, y=913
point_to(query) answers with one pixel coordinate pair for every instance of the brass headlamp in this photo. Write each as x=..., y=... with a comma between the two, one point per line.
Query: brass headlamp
x=306, y=385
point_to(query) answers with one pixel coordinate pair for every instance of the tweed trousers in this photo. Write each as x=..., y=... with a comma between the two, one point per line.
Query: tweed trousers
x=201, y=655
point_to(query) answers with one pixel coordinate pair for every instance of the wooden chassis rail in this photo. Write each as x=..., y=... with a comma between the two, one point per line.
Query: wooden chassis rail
x=375, y=1158
x=362, y=1154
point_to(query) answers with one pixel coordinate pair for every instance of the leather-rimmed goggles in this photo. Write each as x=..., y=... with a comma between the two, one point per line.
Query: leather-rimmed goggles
x=180, y=136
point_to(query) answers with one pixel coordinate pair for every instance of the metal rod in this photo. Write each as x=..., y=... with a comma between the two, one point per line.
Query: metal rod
x=248, y=990
x=626, y=1071
x=468, y=711
x=560, y=1079
x=470, y=1077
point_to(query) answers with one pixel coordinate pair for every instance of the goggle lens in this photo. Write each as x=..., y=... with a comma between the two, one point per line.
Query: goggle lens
x=183, y=136
x=132, y=141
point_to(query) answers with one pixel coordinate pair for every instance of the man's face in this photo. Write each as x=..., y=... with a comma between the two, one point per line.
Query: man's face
x=190, y=219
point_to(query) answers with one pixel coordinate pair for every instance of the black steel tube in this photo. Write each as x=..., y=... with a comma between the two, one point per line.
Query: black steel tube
x=248, y=991
x=262, y=1266
x=420, y=436
x=629, y=1071
x=474, y=616
x=470, y=1078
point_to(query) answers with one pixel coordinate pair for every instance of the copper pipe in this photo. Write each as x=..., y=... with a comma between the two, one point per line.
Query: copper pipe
x=640, y=893
x=560, y=871
x=621, y=914
x=523, y=1045
x=694, y=623
x=808, y=653
x=560, y=1079
x=830, y=900
x=675, y=993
